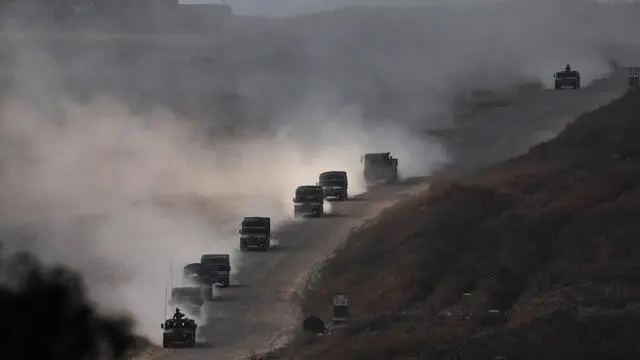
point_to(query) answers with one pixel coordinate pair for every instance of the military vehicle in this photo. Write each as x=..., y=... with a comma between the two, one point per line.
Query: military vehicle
x=179, y=331
x=255, y=232
x=567, y=78
x=308, y=200
x=380, y=167
x=189, y=297
x=215, y=269
x=334, y=184
x=193, y=275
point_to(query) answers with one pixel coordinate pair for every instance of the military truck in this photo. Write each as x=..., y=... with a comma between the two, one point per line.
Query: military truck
x=334, y=184
x=179, y=331
x=255, y=232
x=380, y=168
x=215, y=269
x=188, y=297
x=308, y=201
x=192, y=274
x=567, y=78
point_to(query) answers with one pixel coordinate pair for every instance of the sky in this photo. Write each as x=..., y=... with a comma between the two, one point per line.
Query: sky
x=283, y=8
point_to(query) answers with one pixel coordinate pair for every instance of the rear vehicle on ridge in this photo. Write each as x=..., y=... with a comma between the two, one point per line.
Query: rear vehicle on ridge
x=179, y=331
x=379, y=168
x=567, y=78
x=255, y=232
x=334, y=184
x=308, y=201
x=215, y=268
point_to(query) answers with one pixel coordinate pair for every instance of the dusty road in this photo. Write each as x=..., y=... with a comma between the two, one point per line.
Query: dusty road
x=261, y=306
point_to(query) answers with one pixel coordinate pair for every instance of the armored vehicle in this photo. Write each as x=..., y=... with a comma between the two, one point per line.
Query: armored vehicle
x=179, y=331
x=567, y=78
x=308, y=200
x=215, y=269
x=255, y=232
x=195, y=276
x=380, y=168
x=334, y=184
x=189, y=297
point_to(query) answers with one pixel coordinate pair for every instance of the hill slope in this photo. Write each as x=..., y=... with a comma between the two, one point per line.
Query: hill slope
x=549, y=239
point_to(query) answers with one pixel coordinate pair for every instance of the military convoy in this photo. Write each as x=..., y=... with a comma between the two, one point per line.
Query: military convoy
x=308, y=201
x=379, y=168
x=199, y=278
x=334, y=184
x=255, y=232
x=567, y=78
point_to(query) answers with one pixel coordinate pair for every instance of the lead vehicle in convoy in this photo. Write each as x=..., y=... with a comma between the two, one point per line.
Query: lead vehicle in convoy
x=179, y=331
x=379, y=168
x=255, y=232
x=308, y=201
x=567, y=78
x=215, y=269
x=334, y=184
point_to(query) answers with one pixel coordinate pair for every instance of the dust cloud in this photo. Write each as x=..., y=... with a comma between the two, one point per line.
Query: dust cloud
x=120, y=189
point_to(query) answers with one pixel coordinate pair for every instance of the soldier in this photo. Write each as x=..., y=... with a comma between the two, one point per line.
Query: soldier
x=178, y=315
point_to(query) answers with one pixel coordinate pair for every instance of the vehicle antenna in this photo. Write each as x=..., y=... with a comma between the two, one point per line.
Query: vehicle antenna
x=165, y=301
x=171, y=272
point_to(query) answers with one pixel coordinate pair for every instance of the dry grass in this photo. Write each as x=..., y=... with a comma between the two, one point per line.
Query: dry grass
x=549, y=238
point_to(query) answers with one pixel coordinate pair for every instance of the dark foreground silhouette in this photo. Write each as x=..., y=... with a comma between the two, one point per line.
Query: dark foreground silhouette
x=46, y=315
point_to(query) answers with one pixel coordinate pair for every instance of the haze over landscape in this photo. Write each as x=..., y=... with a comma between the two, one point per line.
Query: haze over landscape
x=121, y=157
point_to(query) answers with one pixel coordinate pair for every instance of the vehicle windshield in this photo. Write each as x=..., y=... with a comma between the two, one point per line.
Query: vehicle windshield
x=254, y=223
x=255, y=229
x=565, y=74
x=332, y=179
x=309, y=193
x=217, y=263
x=377, y=158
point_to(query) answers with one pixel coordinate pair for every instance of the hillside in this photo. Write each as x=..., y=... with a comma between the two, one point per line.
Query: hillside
x=549, y=239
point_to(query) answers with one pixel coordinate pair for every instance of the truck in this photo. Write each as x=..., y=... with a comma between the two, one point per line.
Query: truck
x=179, y=331
x=189, y=297
x=379, y=168
x=308, y=201
x=567, y=78
x=192, y=274
x=334, y=184
x=215, y=269
x=255, y=232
